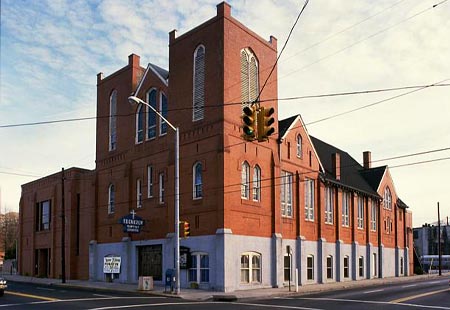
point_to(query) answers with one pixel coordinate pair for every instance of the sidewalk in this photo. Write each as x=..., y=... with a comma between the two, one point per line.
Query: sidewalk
x=201, y=295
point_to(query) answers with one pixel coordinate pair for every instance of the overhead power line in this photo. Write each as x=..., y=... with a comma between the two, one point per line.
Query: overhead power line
x=349, y=93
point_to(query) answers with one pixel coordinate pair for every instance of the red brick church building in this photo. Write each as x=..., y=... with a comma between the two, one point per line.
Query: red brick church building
x=257, y=210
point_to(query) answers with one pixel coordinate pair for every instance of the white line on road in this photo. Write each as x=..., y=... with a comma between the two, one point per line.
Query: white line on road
x=374, y=291
x=100, y=295
x=411, y=285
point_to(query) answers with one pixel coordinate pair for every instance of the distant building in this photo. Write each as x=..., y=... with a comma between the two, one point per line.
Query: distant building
x=426, y=245
x=256, y=210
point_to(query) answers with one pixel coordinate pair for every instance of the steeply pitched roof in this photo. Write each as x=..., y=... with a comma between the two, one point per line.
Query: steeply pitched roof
x=284, y=125
x=401, y=204
x=351, y=176
x=162, y=72
x=374, y=176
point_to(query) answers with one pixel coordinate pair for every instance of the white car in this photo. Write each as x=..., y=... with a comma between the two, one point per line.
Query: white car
x=3, y=286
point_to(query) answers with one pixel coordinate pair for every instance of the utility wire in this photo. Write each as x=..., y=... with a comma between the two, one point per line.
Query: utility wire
x=236, y=103
x=284, y=46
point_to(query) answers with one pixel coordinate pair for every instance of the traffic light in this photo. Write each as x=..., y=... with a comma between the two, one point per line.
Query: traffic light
x=186, y=229
x=265, y=121
x=249, y=120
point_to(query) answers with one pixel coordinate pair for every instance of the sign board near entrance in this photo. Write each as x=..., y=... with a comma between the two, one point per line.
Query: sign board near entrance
x=131, y=223
x=111, y=264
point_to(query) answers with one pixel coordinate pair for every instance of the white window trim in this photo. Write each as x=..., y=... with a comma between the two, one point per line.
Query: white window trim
x=250, y=268
x=249, y=56
x=329, y=205
x=112, y=121
x=256, y=183
x=373, y=216
x=330, y=268
x=138, y=193
x=346, y=201
x=149, y=112
x=245, y=180
x=312, y=268
x=202, y=107
x=111, y=206
x=360, y=215
x=139, y=108
x=361, y=266
x=286, y=193
x=299, y=146
x=309, y=200
x=198, y=268
x=346, y=258
x=150, y=181
x=194, y=187
x=161, y=188
x=161, y=121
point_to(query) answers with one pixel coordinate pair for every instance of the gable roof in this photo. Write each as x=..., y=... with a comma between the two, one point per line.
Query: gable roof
x=401, y=204
x=161, y=73
x=284, y=125
x=374, y=175
x=351, y=171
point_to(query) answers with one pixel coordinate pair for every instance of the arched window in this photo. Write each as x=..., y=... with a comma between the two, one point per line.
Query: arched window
x=163, y=110
x=198, y=180
x=245, y=180
x=112, y=120
x=346, y=266
x=251, y=267
x=256, y=183
x=151, y=115
x=387, y=199
x=140, y=124
x=299, y=146
x=199, y=84
x=111, y=199
x=330, y=267
x=249, y=77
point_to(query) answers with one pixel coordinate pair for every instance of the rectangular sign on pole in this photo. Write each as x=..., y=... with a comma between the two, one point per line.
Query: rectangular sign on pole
x=111, y=264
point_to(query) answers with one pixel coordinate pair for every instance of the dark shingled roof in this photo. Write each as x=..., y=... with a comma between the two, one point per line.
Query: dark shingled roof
x=374, y=175
x=351, y=176
x=401, y=204
x=284, y=125
x=164, y=73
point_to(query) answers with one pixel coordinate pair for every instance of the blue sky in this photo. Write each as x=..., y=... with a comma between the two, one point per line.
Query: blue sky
x=52, y=50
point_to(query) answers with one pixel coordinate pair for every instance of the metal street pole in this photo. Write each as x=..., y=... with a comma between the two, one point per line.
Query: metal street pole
x=133, y=100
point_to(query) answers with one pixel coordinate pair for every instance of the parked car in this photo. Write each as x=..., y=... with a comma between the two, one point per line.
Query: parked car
x=3, y=286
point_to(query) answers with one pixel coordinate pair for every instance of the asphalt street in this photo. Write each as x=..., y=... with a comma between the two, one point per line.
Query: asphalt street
x=428, y=294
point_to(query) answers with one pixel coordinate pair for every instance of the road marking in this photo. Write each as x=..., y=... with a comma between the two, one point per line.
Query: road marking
x=31, y=296
x=411, y=285
x=100, y=295
x=374, y=291
x=374, y=302
x=400, y=300
x=202, y=303
x=45, y=289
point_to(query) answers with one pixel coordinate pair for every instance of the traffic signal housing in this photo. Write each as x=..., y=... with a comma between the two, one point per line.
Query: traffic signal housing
x=249, y=126
x=265, y=122
x=186, y=229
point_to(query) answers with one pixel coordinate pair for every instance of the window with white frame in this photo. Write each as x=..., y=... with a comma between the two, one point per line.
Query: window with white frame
x=161, y=188
x=112, y=120
x=198, y=180
x=163, y=108
x=251, y=267
x=111, y=199
x=373, y=215
x=138, y=193
x=151, y=115
x=299, y=146
x=329, y=267
x=249, y=77
x=199, y=84
x=256, y=183
x=149, y=181
x=361, y=266
x=309, y=200
x=310, y=267
x=346, y=266
x=199, y=271
x=345, y=208
x=387, y=199
x=286, y=193
x=329, y=205
x=245, y=180
x=140, y=124
x=360, y=215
